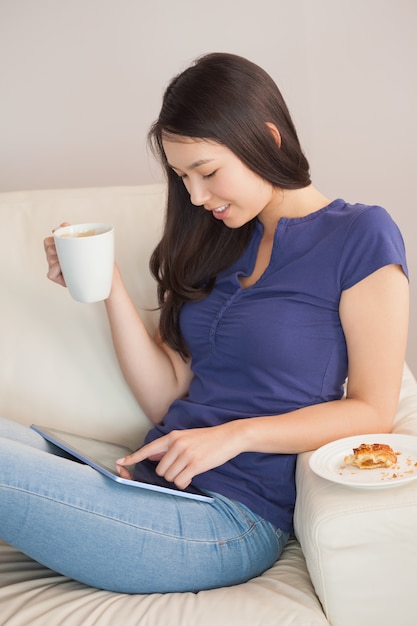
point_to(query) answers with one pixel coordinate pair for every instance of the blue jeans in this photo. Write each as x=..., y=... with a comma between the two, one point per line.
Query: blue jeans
x=75, y=521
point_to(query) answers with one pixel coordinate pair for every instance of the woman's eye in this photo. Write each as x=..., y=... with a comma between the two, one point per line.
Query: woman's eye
x=209, y=175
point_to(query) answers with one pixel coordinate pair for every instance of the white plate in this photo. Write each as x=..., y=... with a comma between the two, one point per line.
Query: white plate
x=328, y=461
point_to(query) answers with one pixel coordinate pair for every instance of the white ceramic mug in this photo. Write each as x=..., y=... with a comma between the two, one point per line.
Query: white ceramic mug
x=86, y=255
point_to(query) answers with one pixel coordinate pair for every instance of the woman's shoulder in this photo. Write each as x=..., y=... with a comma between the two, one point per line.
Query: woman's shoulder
x=348, y=221
x=365, y=220
x=371, y=240
x=352, y=211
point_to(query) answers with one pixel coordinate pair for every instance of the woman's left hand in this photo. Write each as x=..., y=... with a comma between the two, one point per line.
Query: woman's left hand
x=183, y=454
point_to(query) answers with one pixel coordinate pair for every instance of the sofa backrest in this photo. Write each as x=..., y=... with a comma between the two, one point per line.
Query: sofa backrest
x=58, y=367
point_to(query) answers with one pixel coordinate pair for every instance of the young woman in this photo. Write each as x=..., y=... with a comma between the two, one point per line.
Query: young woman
x=271, y=295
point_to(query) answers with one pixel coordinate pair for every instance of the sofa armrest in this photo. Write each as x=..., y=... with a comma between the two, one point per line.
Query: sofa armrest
x=359, y=544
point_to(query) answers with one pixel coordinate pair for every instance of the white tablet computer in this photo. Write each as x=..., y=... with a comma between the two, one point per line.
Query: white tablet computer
x=101, y=455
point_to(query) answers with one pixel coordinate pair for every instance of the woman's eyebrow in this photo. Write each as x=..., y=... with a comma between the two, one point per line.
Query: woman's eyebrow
x=193, y=165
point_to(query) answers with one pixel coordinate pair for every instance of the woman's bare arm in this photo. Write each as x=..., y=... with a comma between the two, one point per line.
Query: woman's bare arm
x=156, y=374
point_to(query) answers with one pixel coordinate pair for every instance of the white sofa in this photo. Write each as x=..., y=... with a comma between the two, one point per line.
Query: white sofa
x=354, y=560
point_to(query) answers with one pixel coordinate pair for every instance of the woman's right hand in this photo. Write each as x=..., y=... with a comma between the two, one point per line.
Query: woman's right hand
x=54, y=268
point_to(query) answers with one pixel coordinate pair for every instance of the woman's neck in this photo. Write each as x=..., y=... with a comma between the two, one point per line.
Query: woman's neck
x=291, y=203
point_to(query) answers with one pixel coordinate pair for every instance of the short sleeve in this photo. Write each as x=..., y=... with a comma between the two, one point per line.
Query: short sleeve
x=373, y=240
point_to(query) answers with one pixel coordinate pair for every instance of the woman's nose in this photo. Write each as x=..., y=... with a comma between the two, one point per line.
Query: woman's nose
x=199, y=194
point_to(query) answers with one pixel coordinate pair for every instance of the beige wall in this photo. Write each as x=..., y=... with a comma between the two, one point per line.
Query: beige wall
x=81, y=81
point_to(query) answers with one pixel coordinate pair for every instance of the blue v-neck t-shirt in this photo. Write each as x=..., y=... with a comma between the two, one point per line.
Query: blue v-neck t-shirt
x=278, y=345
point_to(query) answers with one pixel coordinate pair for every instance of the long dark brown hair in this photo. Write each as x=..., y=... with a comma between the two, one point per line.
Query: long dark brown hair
x=228, y=99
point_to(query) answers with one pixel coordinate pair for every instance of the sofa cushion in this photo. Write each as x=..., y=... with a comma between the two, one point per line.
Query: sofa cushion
x=33, y=595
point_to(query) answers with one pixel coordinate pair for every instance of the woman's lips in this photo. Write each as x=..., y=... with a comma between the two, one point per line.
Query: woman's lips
x=221, y=212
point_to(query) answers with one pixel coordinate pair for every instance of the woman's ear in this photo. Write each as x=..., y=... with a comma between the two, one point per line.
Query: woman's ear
x=275, y=133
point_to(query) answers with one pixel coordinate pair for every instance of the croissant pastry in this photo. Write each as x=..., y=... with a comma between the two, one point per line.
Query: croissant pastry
x=371, y=456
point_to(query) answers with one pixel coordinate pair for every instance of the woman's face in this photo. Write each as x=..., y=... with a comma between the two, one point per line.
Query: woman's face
x=217, y=180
